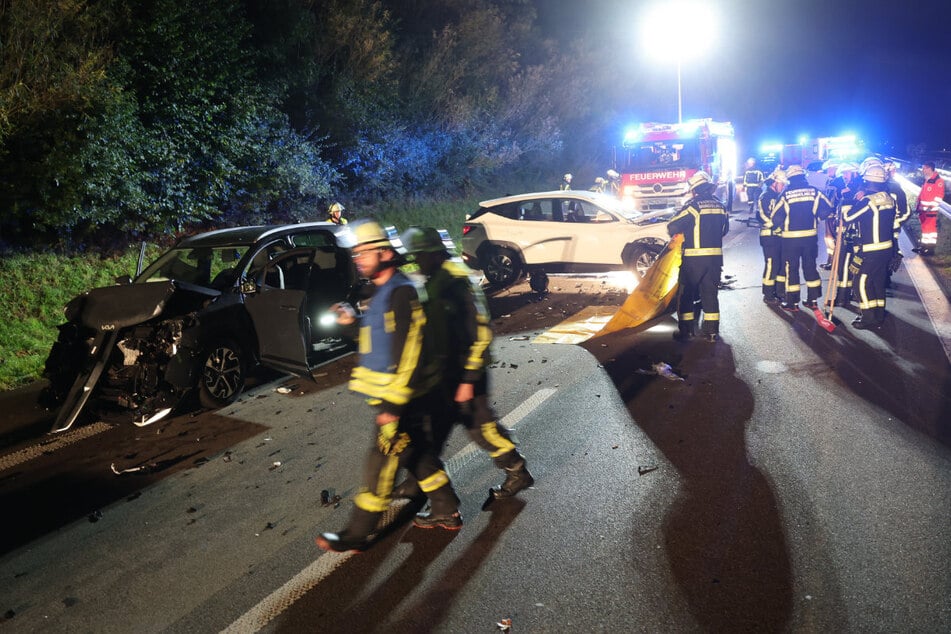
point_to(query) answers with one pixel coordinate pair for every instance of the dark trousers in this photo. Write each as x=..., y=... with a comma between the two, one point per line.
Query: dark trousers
x=796, y=253
x=774, y=280
x=699, y=277
x=420, y=456
x=869, y=284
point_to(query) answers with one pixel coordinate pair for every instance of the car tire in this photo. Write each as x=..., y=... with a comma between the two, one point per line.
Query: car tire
x=501, y=266
x=538, y=281
x=222, y=374
x=640, y=258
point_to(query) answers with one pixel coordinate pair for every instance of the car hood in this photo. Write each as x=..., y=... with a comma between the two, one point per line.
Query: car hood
x=114, y=307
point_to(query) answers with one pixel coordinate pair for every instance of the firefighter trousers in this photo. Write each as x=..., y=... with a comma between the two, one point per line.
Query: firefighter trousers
x=774, y=282
x=420, y=457
x=801, y=253
x=871, y=272
x=699, y=279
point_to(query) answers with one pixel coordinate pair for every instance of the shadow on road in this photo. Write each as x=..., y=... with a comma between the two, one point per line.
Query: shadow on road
x=724, y=535
x=901, y=379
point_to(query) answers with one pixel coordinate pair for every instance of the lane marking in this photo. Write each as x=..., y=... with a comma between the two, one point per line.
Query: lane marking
x=46, y=447
x=932, y=297
x=303, y=582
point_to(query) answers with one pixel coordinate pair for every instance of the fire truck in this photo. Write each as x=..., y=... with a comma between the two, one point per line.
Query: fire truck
x=658, y=158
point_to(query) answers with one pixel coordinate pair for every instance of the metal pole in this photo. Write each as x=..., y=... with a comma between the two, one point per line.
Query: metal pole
x=680, y=101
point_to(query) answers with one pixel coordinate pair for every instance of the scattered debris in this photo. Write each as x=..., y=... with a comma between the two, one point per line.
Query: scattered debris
x=94, y=517
x=142, y=467
x=519, y=338
x=227, y=457
x=662, y=369
x=274, y=465
x=505, y=625
x=614, y=446
x=643, y=469
x=328, y=498
x=282, y=390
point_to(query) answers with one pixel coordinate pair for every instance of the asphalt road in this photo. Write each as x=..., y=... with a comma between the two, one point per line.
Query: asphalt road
x=795, y=480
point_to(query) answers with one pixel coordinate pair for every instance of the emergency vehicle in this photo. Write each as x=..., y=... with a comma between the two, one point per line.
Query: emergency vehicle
x=658, y=158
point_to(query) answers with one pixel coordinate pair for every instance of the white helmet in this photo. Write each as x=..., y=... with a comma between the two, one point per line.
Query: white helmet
x=846, y=167
x=875, y=174
x=567, y=177
x=795, y=170
x=698, y=179
x=869, y=162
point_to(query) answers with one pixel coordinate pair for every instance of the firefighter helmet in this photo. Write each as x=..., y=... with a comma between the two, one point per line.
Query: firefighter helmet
x=875, y=174
x=698, y=180
x=795, y=170
x=567, y=177
x=613, y=175
x=335, y=208
x=869, y=162
x=779, y=176
x=422, y=240
x=370, y=232
x=846, y=167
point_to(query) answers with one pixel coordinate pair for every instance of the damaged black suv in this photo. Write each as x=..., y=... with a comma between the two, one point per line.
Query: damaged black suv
x=198, y=318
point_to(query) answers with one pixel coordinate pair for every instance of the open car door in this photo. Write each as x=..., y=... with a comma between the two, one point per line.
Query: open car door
x=277, y=308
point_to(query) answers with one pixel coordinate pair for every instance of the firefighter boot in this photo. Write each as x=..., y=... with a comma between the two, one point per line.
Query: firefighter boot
x=517, y=478
x=355, y=537
x=685, y=331
x=445, y=510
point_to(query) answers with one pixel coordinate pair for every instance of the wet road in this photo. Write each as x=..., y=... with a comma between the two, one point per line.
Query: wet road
x=794, y=480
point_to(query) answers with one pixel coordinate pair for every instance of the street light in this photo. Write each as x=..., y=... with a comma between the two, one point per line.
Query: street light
x=678, y=30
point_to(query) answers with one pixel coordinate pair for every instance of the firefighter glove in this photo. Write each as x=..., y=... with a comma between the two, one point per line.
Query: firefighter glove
x=389, y=440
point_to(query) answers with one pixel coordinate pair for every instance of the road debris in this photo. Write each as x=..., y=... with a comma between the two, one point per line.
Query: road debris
x=94, y=517
x=274, y=465
x=519, y=338
x=505, y=625
x=644, y=469
x=662, y=369
x=282, y=390
x=143, y=467
x=328, y=498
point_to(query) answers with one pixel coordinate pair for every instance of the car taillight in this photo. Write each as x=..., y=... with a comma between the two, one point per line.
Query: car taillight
x=466, y=229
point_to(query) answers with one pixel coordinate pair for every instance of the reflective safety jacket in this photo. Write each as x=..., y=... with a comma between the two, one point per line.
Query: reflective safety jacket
x=753, y=178
x=765, y=206
x=874, y=216
x=390, y=371
x=932, y=192
x=796, y=210
x=703, y=222
x=457, y=323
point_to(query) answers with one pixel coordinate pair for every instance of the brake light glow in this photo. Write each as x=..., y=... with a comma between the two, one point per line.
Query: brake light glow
x=466, y=229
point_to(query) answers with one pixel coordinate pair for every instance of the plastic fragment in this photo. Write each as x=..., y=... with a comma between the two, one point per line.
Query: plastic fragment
x=519, y=338
x=283, y=390
x=643, y=469
x=505, y=625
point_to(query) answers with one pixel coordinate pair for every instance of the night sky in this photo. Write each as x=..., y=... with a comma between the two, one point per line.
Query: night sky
x=779, y=69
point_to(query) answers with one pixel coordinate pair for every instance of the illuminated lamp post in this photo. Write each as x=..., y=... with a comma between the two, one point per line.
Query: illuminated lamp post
x=682, y=30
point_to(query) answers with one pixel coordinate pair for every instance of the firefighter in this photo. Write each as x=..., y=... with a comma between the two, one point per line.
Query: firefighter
x=703, y=221
x=565, y=182
x=874, y=216
x=932, y=193
x=902, y=213
x=774, y=282
x=615, y=179
x=458, y=332
x=797, y=212
x=843, y=195
x=830, y=222
x=753, y=184
x=393, y=376
x=335, y=214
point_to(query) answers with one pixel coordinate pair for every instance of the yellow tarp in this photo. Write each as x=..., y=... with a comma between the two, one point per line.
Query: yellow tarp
x=652, y=298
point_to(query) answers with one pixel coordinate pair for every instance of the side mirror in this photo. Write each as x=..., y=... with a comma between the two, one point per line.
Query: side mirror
x=124, y=280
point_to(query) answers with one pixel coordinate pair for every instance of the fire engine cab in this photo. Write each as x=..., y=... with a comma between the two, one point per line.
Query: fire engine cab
x=658, y=158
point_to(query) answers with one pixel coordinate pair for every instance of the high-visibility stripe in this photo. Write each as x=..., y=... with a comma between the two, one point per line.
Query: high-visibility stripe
x=685, y=316
x=877, y=246
x=813, y=283
x=802, y=233
x=490, y=431
x=704, y=251
x=711, y=316
x=433, y=482
x=863, y=294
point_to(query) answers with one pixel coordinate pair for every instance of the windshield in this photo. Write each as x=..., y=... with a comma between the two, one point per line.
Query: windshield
x=664, y=154
x=205, y=266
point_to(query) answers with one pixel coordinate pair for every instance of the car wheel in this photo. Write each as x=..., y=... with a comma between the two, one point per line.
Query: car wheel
x=502, y=267
x=222, y=374
x=538, y=281
x=641, y=257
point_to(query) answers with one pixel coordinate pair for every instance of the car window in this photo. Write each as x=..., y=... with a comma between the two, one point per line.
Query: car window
x=507, y=210
x=535, y=210
x=314, y=239
x=204, y=266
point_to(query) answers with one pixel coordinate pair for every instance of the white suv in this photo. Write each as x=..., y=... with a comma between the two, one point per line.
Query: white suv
x=560, y=232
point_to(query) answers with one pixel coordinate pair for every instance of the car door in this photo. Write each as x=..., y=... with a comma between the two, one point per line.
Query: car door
x=276, y=306
x=600, y=235
x=543, y=237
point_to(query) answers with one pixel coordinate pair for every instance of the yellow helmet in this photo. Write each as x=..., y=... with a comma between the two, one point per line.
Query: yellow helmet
x=370, y=232
x=423, y=240
x=335, y=208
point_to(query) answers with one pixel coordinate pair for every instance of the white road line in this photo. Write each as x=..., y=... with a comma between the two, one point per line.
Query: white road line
x=303, y=582
x=57, y=442
x=932, y=297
